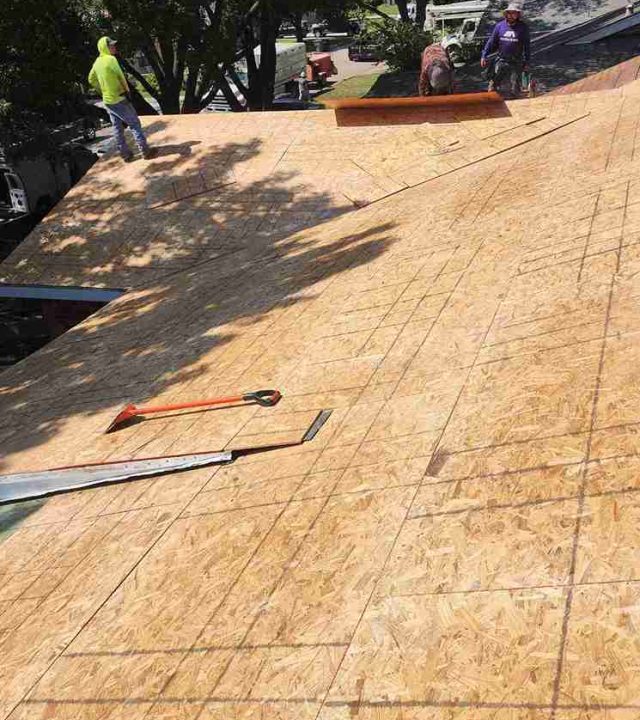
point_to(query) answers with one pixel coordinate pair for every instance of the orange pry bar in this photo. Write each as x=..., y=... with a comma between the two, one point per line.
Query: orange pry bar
x=266, y=398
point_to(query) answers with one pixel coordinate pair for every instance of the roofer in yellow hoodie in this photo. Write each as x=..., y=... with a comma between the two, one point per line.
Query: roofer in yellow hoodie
x=106, y=77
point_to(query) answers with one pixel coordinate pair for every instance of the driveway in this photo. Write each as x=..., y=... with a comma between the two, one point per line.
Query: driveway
x=346, y=68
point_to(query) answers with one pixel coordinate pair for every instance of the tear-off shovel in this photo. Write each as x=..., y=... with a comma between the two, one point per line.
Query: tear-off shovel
x=266, y=398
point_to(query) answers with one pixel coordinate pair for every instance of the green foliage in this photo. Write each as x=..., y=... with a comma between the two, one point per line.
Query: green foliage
x=183, y=41
x=24, y=133
x=399, y=44
x=152, y=80
x=391, y=10
x=44, y=51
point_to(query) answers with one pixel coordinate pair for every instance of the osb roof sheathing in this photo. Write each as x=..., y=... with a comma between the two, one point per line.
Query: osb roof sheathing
x=460, y=540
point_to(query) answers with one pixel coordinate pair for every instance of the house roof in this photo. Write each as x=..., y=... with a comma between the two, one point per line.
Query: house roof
x=546, y=16
x=613, y=77
x=459, y=539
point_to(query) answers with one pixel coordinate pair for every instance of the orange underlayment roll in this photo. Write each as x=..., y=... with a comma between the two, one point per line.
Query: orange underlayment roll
x=478, y=98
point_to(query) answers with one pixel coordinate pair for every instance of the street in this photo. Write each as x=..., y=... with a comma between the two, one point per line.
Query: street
x=346, y=68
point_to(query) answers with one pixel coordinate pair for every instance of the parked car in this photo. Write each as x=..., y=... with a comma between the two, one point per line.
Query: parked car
x=360, y=51
x=319, y=29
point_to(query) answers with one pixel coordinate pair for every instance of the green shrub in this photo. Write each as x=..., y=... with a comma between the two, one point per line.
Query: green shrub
x=399, y=44
x=152, y=80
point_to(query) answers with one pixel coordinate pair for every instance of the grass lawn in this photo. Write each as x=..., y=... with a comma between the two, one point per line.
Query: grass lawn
x=389, y=9
x=357, y=86
x=372, y=20
x=395, y=84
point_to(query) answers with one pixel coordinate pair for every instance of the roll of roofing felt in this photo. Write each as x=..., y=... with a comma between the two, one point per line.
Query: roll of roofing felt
x=478, y=98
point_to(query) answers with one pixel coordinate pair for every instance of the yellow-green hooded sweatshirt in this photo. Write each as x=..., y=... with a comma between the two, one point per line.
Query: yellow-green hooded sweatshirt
x=106, y=75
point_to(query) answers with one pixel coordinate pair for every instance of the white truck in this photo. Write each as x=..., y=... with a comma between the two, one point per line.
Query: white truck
x=291, y=61
x=463, y=42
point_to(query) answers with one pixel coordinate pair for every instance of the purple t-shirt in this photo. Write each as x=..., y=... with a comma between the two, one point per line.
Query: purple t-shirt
x=511, y=41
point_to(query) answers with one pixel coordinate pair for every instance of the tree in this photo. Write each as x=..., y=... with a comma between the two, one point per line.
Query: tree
x=261, y=25
x=45, y=51
x=191, y=46
x=400, y=44
x=421, y=12
x=184, y=42
x=403, y=10
x=44, y=56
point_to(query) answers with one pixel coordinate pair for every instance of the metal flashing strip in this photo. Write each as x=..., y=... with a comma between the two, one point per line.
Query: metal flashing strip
x=316, y=425
x=56, y=292
x=32, y=485
x=29, y=486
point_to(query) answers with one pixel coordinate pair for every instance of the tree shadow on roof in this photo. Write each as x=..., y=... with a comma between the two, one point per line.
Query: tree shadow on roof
x=203, y=270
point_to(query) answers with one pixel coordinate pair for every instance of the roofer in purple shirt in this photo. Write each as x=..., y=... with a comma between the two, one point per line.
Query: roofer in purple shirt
x=510, y=37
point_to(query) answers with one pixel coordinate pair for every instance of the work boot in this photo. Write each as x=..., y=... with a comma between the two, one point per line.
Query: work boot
x=492, y=86
x=150, y=154
x=128, y=158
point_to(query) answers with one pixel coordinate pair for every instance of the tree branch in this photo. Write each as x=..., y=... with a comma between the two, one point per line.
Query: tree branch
x=373, y=9
x=180, y=59
x=140, y=78
x=236, y=79
x=151, y=53
x=140, y=103
x=167, y=54
x=228, y=93
x=189, y=102
x=206, y=90
x=207, y=97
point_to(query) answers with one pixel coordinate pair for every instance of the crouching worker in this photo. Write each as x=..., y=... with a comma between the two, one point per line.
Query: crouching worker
x=107, y=78
x=436, y=72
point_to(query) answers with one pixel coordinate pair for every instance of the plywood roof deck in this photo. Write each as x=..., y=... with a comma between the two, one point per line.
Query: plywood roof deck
x=460, y=541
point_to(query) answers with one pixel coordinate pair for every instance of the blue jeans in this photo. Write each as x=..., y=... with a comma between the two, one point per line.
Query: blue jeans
x=121, y=113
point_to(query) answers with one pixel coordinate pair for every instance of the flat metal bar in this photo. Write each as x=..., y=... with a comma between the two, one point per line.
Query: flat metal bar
x=54, y=292
x=29, y=486
x=19, y=487
x=316, y=425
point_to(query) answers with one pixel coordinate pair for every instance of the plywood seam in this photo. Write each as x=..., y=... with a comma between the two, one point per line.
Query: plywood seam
x=415, y=494
x=581, y=504
x=52, y=662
